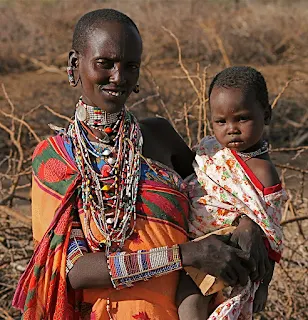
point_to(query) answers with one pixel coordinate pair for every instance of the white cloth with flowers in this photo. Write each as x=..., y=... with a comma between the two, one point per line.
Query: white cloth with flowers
x=223, y=189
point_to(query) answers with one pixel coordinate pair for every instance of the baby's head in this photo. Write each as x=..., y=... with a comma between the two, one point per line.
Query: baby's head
x=239, y=108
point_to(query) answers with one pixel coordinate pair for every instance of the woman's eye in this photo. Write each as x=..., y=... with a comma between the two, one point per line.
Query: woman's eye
x=105, y=64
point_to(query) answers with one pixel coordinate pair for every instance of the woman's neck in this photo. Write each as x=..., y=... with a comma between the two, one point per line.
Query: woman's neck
x=98, y=124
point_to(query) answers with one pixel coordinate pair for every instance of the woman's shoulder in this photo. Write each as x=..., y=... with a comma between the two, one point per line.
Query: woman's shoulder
x=44, y=149
x=160, y=131
x=51, y=145
x=154, y=123
x=208, y=146
x=53, y=153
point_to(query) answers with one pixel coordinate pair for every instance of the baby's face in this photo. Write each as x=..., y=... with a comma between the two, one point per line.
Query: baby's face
x=238, y=118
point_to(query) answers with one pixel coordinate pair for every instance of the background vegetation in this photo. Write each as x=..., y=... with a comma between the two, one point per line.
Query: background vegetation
x=185, y=43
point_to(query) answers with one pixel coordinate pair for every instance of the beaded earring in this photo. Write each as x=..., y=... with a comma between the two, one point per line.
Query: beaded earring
x=137, y=88
x=71, y=78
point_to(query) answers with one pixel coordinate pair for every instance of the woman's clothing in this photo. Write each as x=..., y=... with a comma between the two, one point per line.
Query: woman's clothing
x=162, y=211
x=223, y=189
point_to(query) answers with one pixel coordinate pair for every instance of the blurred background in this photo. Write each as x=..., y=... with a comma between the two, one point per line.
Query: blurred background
x=186, y=42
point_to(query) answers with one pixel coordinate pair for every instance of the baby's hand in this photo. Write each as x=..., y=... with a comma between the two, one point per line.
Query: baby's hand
x=260, y=298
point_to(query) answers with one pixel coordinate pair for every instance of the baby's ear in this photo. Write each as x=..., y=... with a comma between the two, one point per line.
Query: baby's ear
x=267, y=115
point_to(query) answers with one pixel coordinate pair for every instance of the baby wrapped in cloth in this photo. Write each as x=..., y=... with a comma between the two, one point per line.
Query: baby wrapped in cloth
x=223, y=189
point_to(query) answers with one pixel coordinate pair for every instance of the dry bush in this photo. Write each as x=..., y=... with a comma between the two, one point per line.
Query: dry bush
x=249, y=31
x=198, y=39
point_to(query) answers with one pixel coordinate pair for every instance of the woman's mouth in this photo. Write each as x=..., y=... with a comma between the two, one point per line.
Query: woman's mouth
x=114, y=93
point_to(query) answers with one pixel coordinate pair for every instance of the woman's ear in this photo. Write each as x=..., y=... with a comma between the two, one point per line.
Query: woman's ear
x=268, y=115
x=73, y=59
x=72, y=69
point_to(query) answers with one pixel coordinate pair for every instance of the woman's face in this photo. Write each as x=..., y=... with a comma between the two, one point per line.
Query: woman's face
x=109, y=66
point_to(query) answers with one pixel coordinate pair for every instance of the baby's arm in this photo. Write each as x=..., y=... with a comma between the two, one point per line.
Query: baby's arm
x=266, y=172
x=190, y=301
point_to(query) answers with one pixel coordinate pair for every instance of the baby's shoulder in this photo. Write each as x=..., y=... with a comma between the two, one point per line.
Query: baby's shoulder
x=265, y=171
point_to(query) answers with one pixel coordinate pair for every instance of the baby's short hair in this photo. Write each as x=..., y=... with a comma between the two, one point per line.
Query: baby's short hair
x=91, y=20
x=245, y=78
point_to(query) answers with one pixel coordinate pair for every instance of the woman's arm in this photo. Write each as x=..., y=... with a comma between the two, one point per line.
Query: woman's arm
x=261, y=294
x=122, y=269
x=248, y=235
x=212, y=255
x=90, y=271
x=215, y=256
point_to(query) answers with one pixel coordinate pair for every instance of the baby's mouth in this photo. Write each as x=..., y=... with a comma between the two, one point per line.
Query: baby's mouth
x=235, y=143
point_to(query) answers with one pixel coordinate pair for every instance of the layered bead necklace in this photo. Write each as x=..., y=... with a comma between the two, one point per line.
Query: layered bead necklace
x=108, y=197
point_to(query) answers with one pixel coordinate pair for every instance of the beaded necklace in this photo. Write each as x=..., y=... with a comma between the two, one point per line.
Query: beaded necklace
x=109, y=197
x=96, y=118
x=248, y=155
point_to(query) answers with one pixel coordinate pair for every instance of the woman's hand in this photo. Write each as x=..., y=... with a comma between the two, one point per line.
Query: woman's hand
x=214, y=256
x=260, y=298
x=248, y=237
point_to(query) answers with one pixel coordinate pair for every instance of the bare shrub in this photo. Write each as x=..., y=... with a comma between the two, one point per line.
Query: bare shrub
x=250, y=32
x=199, y=38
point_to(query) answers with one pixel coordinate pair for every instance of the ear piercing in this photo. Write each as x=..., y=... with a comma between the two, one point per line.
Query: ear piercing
x=71, y=78
x=137, y=88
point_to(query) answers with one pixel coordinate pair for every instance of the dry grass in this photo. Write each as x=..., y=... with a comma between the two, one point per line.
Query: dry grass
x=239, y=31
x=179, y=62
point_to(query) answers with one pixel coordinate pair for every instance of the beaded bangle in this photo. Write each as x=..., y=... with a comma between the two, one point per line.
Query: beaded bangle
x=77, y=246
x=127, y=268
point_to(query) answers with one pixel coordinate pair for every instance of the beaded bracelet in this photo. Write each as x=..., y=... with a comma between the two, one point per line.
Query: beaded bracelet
x=127, y=268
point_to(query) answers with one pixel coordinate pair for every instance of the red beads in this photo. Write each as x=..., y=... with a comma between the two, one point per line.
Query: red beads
x=106, y=170
x=108, y=130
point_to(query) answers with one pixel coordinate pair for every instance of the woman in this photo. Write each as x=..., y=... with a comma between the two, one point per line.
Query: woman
x=106, y=189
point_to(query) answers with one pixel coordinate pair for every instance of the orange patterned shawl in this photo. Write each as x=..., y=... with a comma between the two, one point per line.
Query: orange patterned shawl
x=43, y=291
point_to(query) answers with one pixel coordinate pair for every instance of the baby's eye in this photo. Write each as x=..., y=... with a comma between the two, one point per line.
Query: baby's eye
x=134, y=66
x=243, y=118
x=220, y=121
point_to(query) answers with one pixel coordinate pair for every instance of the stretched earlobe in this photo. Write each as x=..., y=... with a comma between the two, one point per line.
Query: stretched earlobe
x=71, y=77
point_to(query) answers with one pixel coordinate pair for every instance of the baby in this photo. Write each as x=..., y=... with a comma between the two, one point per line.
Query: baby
x=235, y=179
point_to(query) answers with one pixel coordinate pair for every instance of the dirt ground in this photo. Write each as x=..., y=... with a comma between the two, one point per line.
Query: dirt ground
x=250, y=37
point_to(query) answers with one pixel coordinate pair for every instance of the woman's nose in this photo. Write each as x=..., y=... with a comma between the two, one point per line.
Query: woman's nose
x=117, y=75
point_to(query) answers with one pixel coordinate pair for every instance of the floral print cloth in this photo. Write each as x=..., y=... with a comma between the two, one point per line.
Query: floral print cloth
x=231, y=191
